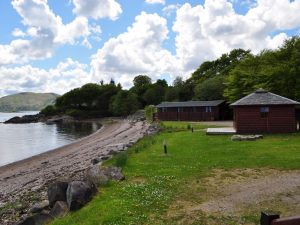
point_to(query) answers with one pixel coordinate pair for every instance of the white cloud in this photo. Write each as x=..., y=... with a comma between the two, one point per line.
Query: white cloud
x=205, y=32
x=155, y=1
x=137, y=51
x=18, y=33
x=169, y=9
x=98, y=9
x=45, y=31
x=65, y=76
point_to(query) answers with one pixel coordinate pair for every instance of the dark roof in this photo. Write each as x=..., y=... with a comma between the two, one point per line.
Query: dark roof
x=190, y=104
x=263, y=97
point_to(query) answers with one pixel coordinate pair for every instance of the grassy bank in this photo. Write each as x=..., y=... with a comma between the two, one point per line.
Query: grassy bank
x=155, y=182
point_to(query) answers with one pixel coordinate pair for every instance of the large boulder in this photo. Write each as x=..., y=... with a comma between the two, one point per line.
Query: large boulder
x=40, y=206
x=97, y=176
x=102, y=175
x=114, y=173
x=57, y=192
x=59, y=209
x=79, y=193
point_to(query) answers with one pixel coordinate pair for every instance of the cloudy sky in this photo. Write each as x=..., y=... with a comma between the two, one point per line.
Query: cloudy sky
x=57, y=45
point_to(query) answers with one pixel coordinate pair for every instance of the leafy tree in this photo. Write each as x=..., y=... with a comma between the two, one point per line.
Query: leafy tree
x=210, y=89
x=124, y=103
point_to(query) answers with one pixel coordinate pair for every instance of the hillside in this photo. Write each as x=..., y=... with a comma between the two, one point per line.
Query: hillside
x=26, y=101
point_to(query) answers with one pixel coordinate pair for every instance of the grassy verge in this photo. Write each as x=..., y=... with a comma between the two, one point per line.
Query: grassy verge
x=154, y=181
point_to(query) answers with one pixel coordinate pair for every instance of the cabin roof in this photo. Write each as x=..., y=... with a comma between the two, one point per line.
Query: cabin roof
x=190, y=104
x=263, y=97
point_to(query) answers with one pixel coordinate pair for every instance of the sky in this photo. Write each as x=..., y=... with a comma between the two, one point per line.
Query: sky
x=58, y=45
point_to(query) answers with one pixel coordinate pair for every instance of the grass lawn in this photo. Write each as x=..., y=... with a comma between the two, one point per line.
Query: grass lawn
x=155, y=182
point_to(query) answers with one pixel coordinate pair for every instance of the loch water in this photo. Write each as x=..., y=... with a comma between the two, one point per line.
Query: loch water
x=21, y=141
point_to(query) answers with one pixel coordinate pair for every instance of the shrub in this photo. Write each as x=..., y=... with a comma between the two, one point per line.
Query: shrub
x=121, y=159
x=49, y=110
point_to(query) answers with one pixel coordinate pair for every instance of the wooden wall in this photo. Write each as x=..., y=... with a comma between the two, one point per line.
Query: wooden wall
x=280, y=119
x=188, y=114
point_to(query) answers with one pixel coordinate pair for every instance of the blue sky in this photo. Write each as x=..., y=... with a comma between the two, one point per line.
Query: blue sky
x=57, y=45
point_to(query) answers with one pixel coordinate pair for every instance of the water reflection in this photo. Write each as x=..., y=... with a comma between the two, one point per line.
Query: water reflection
x=20, y=141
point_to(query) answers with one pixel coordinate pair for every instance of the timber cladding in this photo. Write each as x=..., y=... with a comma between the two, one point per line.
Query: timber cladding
x=265, y=119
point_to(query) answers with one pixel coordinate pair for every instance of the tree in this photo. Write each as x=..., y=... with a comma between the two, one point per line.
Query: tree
x=124, y=103
x=210, y=89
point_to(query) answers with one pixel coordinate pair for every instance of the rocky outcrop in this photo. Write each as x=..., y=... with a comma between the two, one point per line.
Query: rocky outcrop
x=79, y=193
x=37, y=219
x=26, y=119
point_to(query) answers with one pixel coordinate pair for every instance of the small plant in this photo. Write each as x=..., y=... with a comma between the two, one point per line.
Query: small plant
x=189, y=126
x=121, y=159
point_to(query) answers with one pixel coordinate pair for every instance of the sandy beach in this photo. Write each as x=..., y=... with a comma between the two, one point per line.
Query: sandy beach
x=29, y=178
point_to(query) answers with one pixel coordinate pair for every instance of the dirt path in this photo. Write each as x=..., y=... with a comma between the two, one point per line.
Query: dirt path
x=32, y=175
x=237, y=197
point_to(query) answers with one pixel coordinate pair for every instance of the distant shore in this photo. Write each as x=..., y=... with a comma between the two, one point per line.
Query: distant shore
x=27, y=179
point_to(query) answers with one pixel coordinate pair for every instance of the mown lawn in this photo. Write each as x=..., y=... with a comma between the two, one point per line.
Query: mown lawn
x=154, y=181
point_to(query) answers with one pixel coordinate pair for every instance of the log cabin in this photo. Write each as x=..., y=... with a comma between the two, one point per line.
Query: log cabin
x=264, y=112
x=192, y=111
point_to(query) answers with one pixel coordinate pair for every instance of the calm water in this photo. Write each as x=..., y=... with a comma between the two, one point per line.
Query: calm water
x=20, y=141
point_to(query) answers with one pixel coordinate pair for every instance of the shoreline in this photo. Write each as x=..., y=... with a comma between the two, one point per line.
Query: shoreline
x=25, y=182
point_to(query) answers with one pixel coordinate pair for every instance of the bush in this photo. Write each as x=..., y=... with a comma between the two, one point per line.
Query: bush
x=121, y=159
x=149, y=111
x=49, y=110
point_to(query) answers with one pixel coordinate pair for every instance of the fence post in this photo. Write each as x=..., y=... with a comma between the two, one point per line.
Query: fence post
x=266, y=218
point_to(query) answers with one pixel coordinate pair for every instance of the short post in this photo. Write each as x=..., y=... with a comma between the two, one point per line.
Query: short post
x=266, y=218
x=165, y=147
x=192, y=129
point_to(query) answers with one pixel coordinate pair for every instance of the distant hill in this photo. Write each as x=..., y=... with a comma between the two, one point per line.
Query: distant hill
x=26, y=101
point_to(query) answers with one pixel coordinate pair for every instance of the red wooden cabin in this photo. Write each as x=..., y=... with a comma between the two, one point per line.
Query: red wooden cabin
x=264, y=112
x=192, y=111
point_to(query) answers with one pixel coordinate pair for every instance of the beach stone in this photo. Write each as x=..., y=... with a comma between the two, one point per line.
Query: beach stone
x=57, y=192
x=105, y=157
x=38, y=207
x=79, y=193
x=246, y=137
x=59, y=209
x=114, y=173
x=38, y=219
x=113, y=152
x=97, y=176
x=96, y=161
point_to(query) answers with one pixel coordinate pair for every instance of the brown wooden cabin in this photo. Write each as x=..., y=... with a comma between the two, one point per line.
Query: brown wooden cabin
x=192, y=111
x=264, y=112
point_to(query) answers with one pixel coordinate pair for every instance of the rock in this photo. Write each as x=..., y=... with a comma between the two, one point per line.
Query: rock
x=38, y=207
x=96, y=175
x=79, y=193
x=59, y=209
x=38, y=219
x=114, y=173
x=25, y=119
x=57, y=192
x=96, y=161
x=112, y=152
x=105, y=157
x=246, y=137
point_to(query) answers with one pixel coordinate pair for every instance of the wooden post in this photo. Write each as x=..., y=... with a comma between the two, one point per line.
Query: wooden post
x=165, y=147
x=266, y=218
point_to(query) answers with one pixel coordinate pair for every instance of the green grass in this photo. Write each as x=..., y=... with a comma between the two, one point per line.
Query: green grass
x=154, y=181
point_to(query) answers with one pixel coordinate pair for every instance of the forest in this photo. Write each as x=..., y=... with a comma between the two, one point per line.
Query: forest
x=230, y=77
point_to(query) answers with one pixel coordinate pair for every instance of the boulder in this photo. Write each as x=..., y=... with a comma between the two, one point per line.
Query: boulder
x=57, y=192
x=97, y=176
x=38, y=207
x=79, y=193
x=114, y=173
x=246, y=137
x=25, y=119
x=59, y=209
x=38, y=219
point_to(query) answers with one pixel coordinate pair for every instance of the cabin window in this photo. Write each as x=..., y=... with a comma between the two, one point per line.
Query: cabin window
x=194, y=109
x=208, y=109
x=179, y=109
x=164, y=109
x=264, y=111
